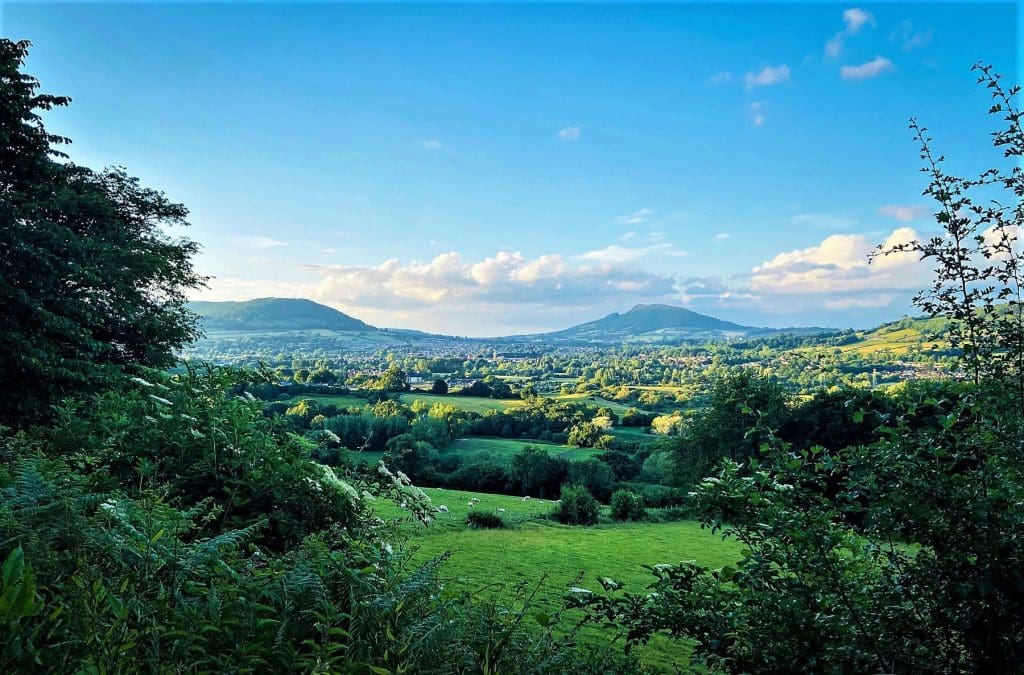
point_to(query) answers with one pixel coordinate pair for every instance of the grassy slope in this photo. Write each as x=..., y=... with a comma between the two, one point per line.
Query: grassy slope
x=467, y=403
x=487, y=561
x=340, y=401
x=505, y=448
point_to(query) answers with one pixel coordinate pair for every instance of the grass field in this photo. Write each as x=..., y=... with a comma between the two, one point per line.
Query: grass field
x=597, y=401
x=340, y=401
x=467, y=403
x=505, y=448
x=490, y=561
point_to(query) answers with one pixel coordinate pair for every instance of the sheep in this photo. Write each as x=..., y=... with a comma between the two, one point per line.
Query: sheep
x=501, y=510
x=469, y=505
x=526, y=498
x=442, y=509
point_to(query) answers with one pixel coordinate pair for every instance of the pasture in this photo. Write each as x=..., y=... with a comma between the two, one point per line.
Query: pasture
x=534, y=549
x=467, y=403
x=505, y=448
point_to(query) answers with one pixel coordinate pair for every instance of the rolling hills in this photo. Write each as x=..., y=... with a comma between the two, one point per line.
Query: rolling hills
x=308, y=322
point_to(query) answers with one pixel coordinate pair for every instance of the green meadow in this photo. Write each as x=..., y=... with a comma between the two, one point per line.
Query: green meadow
x=534, y=549
x=467, y=403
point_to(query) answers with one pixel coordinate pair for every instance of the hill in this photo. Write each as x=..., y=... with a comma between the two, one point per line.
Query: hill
x=275, y=314
x=653, y=323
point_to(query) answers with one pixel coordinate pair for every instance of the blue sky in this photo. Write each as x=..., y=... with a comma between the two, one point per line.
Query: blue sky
x=486, y=169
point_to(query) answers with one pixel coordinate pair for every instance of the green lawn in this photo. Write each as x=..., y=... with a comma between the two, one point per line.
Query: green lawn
x=467, y=403
x=488, y=561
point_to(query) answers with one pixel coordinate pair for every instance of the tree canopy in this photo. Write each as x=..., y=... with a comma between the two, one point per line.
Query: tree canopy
x=90, y=281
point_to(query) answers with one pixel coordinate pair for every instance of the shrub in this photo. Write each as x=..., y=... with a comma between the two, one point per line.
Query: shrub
x=627, y=505
x=577, y=507
x=485, y=519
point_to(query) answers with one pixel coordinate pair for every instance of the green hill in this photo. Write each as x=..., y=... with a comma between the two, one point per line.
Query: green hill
x=654, y=323
x=274, y=314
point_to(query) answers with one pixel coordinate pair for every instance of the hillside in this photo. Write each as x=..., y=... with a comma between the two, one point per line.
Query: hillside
x=274, y=314
x=653, y=323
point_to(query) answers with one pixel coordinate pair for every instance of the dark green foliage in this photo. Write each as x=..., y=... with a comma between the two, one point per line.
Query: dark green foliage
x=485, y=520
x=537, y=473
x=740, y=401
x=576, y=507
x=627, y=505
x=899, y=549
x=594, y=475
x=439, y=387
x=478, y=388
x=89, y=283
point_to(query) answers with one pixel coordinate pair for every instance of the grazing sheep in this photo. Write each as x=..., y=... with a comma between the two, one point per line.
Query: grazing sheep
x=526, y=498
x=501, y=510
x=442, y=509
x=469, y=505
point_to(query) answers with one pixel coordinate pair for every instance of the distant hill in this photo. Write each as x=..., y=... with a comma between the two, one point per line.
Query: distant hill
x=296, y=322
x=273, y=315
x=653, y=323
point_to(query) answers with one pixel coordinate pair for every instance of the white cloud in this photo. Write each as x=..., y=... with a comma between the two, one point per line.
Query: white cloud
x=839, y=266
x=432, y=144
x=722, y=236
x=635, y=218
x=872, y=68
x=767, y=76
x=756, y=113
x=259, y=242
x=854, y=19
x=569, y=133
x=904, y=212
x=616, y=253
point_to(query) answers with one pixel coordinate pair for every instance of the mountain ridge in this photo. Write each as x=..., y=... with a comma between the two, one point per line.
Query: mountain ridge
x=657, y=323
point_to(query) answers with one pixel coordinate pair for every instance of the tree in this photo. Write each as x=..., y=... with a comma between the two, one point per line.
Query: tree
x=915, y=563
x=90, y=285
x=740, y=401
x=392, y=379
x=537, y=473
x=594, y=475
x=439, y=387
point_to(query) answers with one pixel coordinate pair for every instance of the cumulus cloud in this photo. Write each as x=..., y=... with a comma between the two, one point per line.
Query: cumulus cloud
x=260, y=242
x=448, y=283
x=839, y=267
x=904, y=212
x=635, y=218
x=767, y=76
x=569, y=133
x=872, y=68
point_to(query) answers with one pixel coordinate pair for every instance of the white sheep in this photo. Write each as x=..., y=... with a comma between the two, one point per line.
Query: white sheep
x=469, y=505
x=501, y=510
x=442, y=509
x=526, y=498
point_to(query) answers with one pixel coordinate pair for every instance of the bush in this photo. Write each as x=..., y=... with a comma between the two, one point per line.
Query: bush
x=485, y=519
x=577, y=507
x=627, y=505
